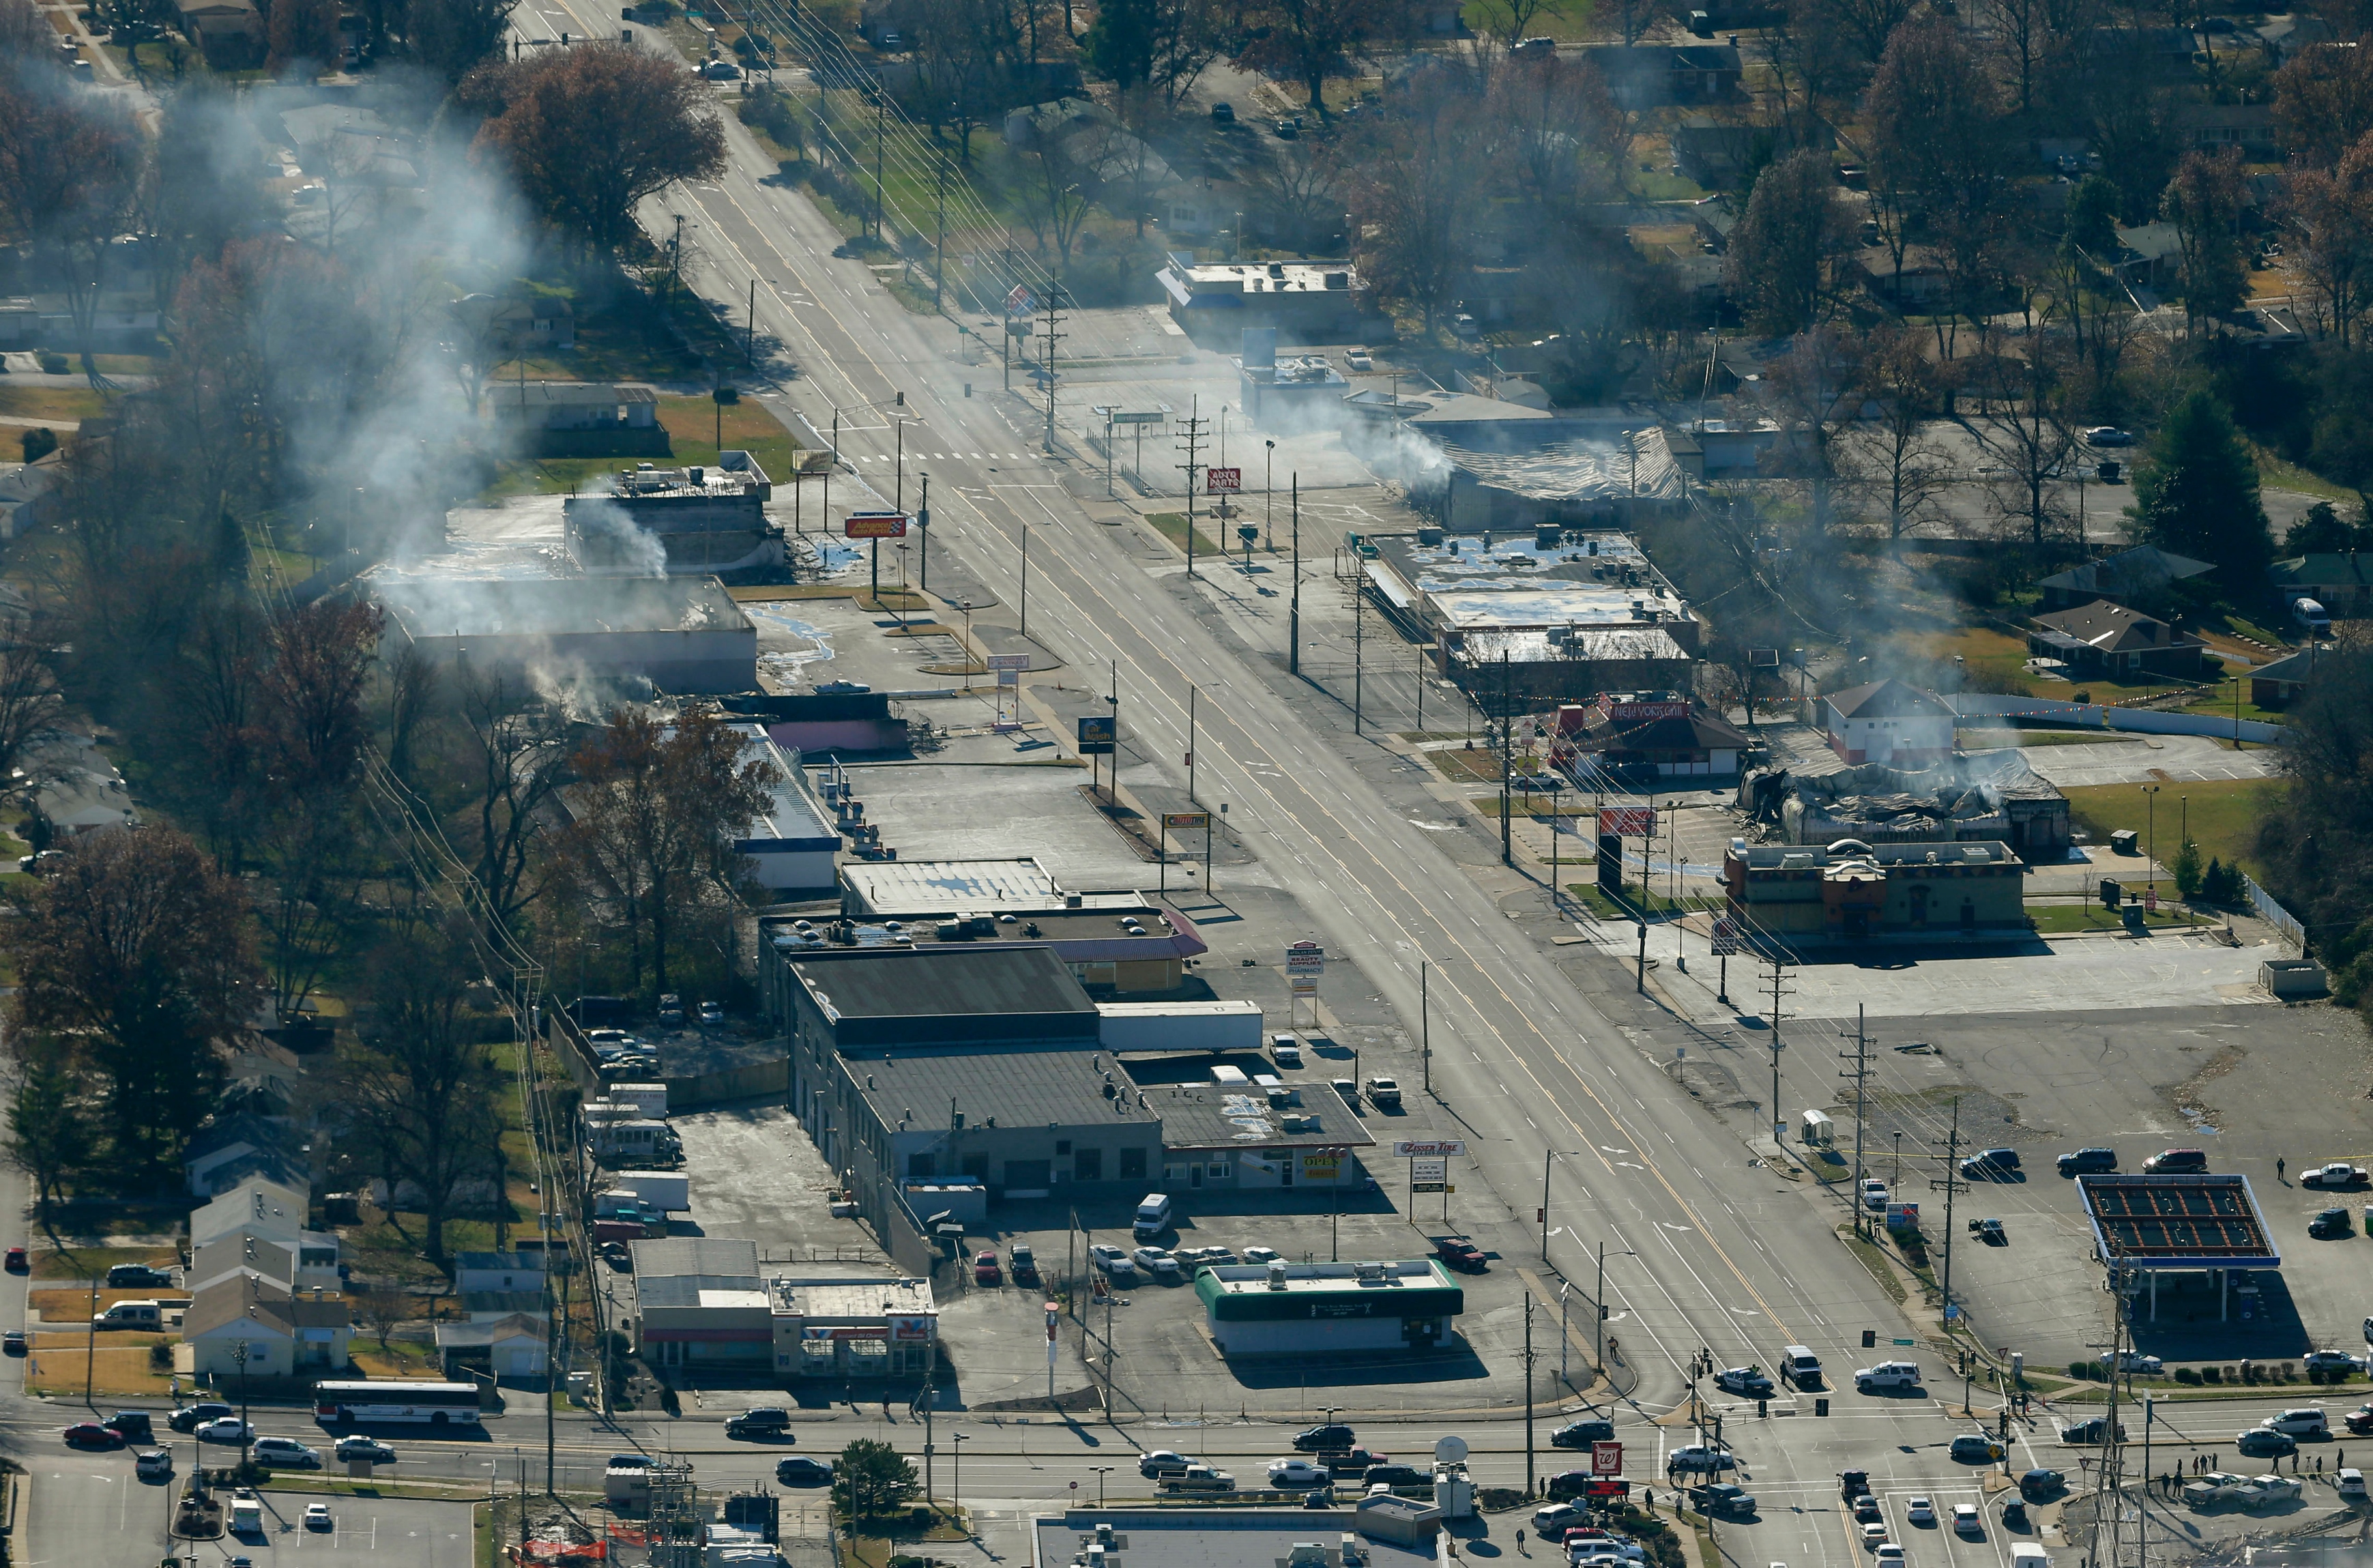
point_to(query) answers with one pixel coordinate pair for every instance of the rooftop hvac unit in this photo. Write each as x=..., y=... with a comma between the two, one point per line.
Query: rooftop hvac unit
x=1277, y=1275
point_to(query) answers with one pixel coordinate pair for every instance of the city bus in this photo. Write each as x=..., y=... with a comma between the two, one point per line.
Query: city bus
x=365, y=1404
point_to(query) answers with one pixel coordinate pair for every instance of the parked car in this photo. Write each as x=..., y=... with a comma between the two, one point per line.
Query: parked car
x=13, y=1341
x=2217, y=1486
x=1158, y=1262
x=1224, y=112
x=1161, y=1462
x=711, y=1012
x=2332, y=1361
x=2264, y=1491
x=1288, y=128
x=91, y=1434
x=2088, y=1162
x=136, y=1276
x=1460, y=1254
x=985, y=1270
x=2177, y=1162
x=316, y=1517
x=1024, y=1263
x=1358, y=360
x=2329, y=1222
x=1325, y=1439
x=2339, y=1173
x=2135, y=1361
x=2264, y=1442
x=16, y=1260
x=286, y=1452
x=1113, y=1262
x=1552, y=1522
x=1262, y=1255
x=800, y=1470
x=1873, y=1194
x=2359, y=1421
x=197, y=1412
x=1581, y=1434
x=225, y=1429
x=2108, y=436
x=617, y=1256
x=1750, y=1382
x=1992, y=1164
x=1720, y=1497
x=369, y=1448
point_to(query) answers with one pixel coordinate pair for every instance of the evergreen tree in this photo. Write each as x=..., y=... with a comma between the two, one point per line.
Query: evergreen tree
x=1119, y=43
x=2197, y=494
x=2187, y=870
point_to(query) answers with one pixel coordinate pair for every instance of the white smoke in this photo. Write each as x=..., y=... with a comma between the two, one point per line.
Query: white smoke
x=609, y=543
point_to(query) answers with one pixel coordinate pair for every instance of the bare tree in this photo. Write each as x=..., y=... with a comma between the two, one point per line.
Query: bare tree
x=1783, y=261
x=1816, y=389
x=2331, y=212
x=30, y=700
x=1902, y=464
x=1417, y=191
x=519, y=748
x=1065, y=166
x=2203, y=202
x=1510, y=22
x=2024, y=426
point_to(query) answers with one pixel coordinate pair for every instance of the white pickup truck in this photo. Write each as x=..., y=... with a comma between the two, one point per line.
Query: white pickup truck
x=2221, y=1486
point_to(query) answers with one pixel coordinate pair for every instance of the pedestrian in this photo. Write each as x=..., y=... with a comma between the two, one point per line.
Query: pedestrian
x=2340, y=1458
x=2278, y=1167
x=1519, y=1542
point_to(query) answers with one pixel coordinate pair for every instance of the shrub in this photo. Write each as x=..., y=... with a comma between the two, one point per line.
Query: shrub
x=52, y=363
x=2186, y=1374
x=2080, y=696
x=2080, y=1370
x=39, y=444
x=2211, y=1374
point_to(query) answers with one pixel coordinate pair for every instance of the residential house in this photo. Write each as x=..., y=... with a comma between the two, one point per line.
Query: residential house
x=487, y=1306
x=239, y=1253
x=2111, y=640
x=2282, y=682
x=281, y=1333
x=259, y=1207
x=540, y=322
x=1919, y=280
x=1717, y=157
x=1200, y=206
x=28, y=491
x=577, y=406
x=2342, y=583
x=498, y=1271
x=2283, y=37
x=2140, y=577
x=1889, y=721
x=499, y=1348
x=230, y=1150
x=230, y=34
x=2212, y=127
x=1652, y=76
x=2150, y=255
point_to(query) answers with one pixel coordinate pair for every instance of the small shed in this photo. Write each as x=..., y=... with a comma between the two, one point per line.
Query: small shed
x=503, y=1347
x=1820, y=1129
x=1402, y=1520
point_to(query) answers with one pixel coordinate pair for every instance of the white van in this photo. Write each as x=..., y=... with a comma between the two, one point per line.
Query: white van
x=1800, y=1366
x=131, y=1315
x=1152, y=1216
x=2026, y=1554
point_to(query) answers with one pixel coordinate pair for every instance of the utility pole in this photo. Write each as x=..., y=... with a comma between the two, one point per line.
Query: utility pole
x=1530, y=1480
x=1507, y=845
x=923, y=528
x=1779, y=972
x=1547, y=1156
x=881, y=105
x=1860, y=1076
x=1359, y=631
x=1952, y=1183
x=749, y=344
x=1598, y=1300
x=1054, y=320
x=1424, y=1030
x=940, y=247
x=1293, y=611
x=1193, y=438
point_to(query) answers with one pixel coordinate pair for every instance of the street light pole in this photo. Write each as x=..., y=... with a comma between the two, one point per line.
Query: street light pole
x=1268, y=495
x=1293, y=610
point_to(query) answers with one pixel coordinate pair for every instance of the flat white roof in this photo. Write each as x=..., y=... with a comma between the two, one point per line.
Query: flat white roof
x=917, y=887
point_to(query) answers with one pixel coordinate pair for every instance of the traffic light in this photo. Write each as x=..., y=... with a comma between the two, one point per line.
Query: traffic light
x=1821, y=1407
x=1869, y=1338
x=1762, y=1409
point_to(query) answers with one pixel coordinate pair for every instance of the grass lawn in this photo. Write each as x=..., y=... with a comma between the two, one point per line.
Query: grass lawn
x=1589, y=894
x=60, y=1363
x=2217, y=702
x=64, y=404
x=1995, y=657
x=691, y=426
x=2282, y=475
x=2056, y=919
x=1173, y=527
x=2221, y=814
x=1980, y=738
x=1481, y=765
x=91, y=1262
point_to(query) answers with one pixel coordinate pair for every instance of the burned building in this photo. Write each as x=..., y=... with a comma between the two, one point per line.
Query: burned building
x=1538, y=617
x=676, y=521
x=1995, y=797
x=683, y=637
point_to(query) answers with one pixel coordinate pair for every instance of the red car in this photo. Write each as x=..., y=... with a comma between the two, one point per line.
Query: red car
x=985, y=1270
x=17, y=1262
x=91, y=1434
x=2360, y=1419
